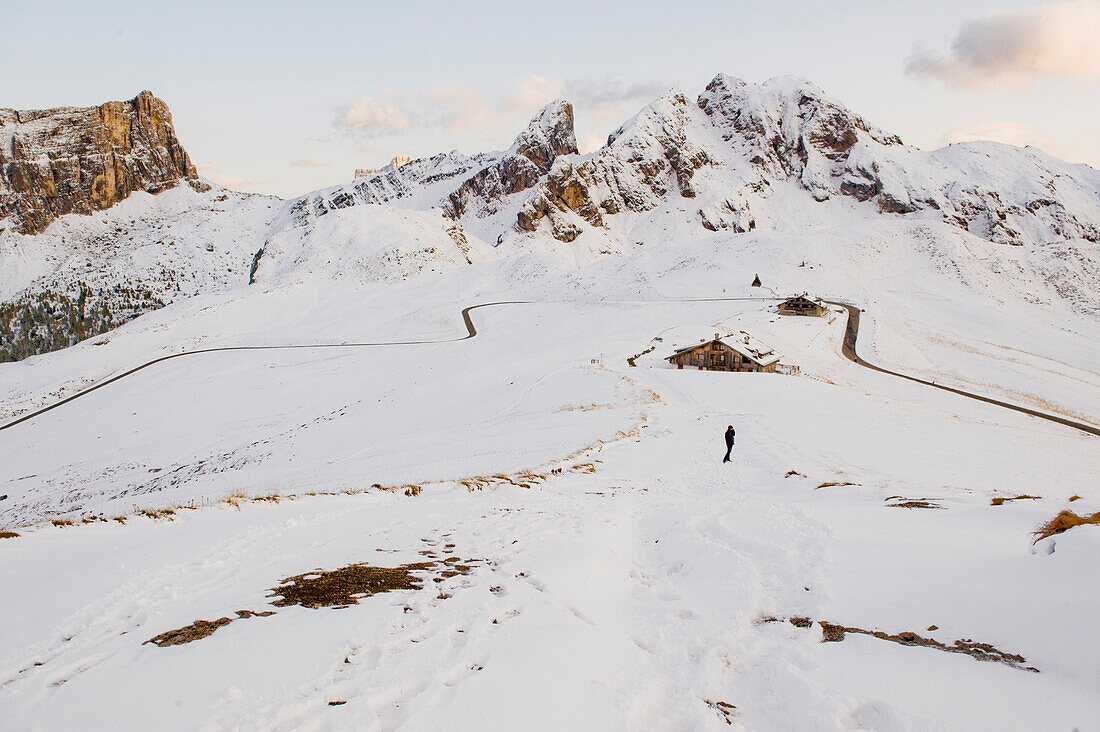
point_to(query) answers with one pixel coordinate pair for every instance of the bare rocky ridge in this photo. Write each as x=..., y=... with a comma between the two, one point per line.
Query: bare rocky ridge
x=85, y=159
x=728, y=152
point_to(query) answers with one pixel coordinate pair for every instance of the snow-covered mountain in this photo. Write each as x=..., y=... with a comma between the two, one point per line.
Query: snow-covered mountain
x=727, y=162
x=779, y=156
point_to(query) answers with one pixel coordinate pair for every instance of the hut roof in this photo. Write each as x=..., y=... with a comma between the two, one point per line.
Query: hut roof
x=806, y=297
x=748, y=346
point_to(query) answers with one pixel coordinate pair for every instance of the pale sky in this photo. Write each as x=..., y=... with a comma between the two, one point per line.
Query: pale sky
x=286, y=97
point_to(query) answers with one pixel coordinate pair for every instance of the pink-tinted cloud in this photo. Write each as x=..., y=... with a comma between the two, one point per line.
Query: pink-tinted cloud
x=1010, y=49
x=236, y=181
x=369, y=116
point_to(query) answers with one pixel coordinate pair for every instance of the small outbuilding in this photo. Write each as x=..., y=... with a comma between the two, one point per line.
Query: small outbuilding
x=739, y=352
x=803, y=305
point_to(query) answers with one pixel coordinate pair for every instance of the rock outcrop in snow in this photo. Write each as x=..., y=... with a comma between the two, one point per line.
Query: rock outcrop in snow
x=79, y=160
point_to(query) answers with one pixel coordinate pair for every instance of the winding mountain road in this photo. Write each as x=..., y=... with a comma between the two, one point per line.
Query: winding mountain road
x=848, y=349
x=851, y=334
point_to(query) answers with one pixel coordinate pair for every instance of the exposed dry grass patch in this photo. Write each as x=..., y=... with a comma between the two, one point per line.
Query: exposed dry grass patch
x=61, y=522
x=168, y=514
x=193, y=632
x=337, y=589
x=409, y=489
x=831, y=632
x=234, y=499
x=831, y=483
x=8, y=535
x=1074, y=497
x=522, y=479
x=201, y=629
x=794, y=472
x=903, y=502
x=477, y=483
x=1063, y=522
x=583, y=407
x=1001, y=500
x=346, y=586
x=726, y=711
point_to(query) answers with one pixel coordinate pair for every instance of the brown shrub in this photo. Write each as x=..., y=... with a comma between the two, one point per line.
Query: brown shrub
x=1064, y=521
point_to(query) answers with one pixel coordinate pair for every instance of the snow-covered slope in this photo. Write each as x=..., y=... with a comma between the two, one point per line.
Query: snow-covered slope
x=87, y=274
x=367, y=244
x=617, y=573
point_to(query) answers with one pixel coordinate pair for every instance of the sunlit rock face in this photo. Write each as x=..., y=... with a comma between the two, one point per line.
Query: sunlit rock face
x=85, y=159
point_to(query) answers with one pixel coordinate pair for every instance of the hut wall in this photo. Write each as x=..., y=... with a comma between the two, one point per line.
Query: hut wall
x=714, y=357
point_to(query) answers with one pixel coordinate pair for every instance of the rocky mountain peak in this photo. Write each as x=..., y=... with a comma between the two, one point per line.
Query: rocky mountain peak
x=84, y=159
x=788, y=127
x=549, y=135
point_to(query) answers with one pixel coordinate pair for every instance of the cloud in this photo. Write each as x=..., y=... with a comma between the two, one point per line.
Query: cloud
x=311, y=163
x=533, y=92
x=606, y=92
x=458, y=108
x=370, y=116
x=206, y=165
x=600, y=103
x=1011, y=49
x=235, y=181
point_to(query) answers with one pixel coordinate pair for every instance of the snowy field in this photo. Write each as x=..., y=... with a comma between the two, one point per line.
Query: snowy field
x=619, y=576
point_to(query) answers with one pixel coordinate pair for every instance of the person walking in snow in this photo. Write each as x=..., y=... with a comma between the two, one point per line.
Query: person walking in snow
x=730, y=432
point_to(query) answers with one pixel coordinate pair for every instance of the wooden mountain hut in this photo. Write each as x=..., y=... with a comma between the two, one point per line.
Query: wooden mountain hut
x=803, y=305
x=731, y=353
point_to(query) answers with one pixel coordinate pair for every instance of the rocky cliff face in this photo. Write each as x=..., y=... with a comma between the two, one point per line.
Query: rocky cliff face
x=80, y=160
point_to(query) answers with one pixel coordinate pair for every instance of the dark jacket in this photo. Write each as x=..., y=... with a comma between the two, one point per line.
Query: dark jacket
x=729, y=436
